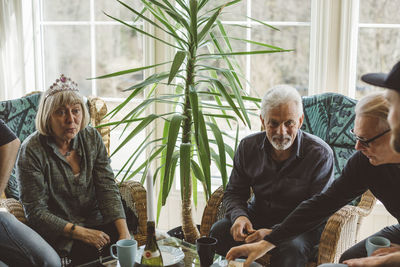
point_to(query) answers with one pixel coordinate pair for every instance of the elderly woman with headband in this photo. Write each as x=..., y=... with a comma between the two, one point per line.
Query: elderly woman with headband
x=67, y=185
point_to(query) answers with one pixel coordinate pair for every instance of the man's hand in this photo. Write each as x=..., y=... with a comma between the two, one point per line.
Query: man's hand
x=384, y=251
x=241, y=224
x=257, y=235
x=365, y=262
x=388, y=260
x=252, y=251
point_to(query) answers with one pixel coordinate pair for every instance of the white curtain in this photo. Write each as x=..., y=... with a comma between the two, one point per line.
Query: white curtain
x=17, y=74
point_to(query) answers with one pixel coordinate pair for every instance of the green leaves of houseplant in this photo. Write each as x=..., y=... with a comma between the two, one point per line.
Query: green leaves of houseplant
x=202, y=98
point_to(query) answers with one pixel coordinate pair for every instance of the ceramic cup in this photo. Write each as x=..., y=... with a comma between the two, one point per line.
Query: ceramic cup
x=206, y=250
x=376, y=242
x=126, y=252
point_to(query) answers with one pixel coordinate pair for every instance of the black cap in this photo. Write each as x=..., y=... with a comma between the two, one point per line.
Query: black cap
x=389, y=80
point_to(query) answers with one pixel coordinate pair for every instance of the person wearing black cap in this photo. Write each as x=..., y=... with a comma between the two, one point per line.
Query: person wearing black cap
x=374, y=166
x=390, y=81
x=386, y=256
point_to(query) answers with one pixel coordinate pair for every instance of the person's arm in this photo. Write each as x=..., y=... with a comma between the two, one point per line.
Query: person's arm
x=389, y=260
x=323, y=165
x=8, y=154
x=122, y=229
x=237, y=191
x=107, y=192
x=316, y=210
x=236, y=196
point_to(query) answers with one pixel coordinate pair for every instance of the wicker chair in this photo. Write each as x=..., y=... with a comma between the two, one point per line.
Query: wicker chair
x=132, y=192
x=329, y=116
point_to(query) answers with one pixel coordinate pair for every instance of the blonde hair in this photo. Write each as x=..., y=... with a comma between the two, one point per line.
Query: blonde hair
x=50, y=103
x=374, y=105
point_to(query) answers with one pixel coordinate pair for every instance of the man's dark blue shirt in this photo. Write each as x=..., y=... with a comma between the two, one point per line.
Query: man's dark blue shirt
x=278, y=187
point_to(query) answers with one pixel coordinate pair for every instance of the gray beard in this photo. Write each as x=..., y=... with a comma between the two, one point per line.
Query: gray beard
x=280, y=146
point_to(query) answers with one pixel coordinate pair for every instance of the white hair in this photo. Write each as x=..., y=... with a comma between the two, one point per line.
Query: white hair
x=278, y=95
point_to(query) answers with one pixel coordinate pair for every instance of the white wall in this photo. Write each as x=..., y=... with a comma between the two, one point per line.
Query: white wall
x=378, y=219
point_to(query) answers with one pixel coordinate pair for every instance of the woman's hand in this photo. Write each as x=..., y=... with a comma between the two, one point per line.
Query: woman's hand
x=93, y=237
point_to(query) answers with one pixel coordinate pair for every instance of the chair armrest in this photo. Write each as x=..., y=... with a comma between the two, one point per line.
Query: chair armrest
x=366, y=204
x=211, y=211
x=14, y=207
x=98, y=110
x=135, y=196
x=339, y=234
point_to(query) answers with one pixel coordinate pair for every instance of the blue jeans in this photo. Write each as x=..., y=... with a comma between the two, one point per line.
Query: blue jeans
x=22, y=246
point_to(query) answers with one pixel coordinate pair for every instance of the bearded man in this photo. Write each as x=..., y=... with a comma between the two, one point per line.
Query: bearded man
x=282, y=166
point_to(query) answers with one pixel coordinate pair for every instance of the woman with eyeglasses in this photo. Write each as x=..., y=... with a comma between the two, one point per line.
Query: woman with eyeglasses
x=375, y=166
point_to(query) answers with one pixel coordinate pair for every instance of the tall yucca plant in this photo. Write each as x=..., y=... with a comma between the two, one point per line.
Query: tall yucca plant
x=201, y=96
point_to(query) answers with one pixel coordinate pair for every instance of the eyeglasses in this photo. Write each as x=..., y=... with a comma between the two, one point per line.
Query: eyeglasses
x=365, y=142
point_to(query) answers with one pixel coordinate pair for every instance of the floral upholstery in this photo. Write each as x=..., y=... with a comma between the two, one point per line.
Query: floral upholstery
x=331, y=116
x=19, y=115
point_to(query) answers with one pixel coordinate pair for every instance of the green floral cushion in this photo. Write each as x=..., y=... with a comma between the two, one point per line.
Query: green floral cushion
x=331, y=116
x=19, y=114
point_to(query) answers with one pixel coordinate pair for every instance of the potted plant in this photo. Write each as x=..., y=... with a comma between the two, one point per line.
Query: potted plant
x=201, y=94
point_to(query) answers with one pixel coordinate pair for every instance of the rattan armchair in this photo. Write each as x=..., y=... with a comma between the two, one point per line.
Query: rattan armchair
x=132, y=192
x=340, y=233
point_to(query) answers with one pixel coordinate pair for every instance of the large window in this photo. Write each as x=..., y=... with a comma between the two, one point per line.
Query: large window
x=378, y=40
x=77, y=39
x=264, y=71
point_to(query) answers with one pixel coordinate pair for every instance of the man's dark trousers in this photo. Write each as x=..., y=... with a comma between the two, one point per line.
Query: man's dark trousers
x=358, y=250
x=292, y=253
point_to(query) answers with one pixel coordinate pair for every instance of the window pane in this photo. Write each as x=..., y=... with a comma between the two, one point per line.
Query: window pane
x=115, y=9
x=378, y=51
x=382, y=11
x=119, y=134
x=278, y=10
x=117, y=48
x=236, y=45
x=234, y=12
x=281, y=68
x=67, y=50
x=66, y=10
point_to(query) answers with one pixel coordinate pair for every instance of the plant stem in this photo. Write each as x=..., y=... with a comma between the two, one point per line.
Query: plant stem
x=188, y=226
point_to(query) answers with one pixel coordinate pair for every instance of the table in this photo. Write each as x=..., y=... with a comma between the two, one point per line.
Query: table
x=191, y=258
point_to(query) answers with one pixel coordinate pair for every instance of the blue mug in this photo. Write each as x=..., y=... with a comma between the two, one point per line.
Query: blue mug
x=126, y=252
x=376, y=242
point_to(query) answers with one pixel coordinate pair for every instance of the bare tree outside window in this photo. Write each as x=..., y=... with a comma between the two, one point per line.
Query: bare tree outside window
x=378, y=40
